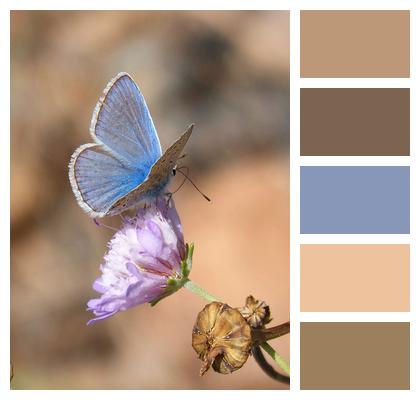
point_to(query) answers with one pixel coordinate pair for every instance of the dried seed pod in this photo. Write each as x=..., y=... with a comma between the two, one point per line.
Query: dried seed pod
x=222, y=338
x=256, y=312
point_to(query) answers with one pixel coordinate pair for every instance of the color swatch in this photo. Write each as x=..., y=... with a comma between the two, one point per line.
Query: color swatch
x=355, y=277
x=355, y=200
x=355, y=44
x=355, y=122
x=355, y=355
x=350, y=131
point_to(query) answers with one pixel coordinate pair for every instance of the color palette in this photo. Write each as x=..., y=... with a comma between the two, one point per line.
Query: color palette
x=355, y=122
x=355, y=277
x=355, y=355
x=354, y=199
x=355, y=44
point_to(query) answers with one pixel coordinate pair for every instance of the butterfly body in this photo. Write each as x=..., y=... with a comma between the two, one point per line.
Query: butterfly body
x=125, y=165
x=158, y=178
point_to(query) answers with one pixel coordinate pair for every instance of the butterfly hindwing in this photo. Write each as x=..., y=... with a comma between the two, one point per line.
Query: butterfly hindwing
x=165, y=164
x=98, y=178
x=158, y=178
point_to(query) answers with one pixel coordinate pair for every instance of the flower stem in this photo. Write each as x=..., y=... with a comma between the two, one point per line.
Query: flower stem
x=276, y=357
x=267, y=367
x=192, y=287
x=261, y=335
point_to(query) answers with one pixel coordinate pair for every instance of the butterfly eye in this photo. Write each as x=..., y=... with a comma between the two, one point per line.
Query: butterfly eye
x=174, y=171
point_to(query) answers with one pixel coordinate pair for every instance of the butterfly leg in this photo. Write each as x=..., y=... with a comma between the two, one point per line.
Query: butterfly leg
x=168, y=198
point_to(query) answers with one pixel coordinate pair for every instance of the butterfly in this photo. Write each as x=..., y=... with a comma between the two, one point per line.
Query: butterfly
x=125, y=165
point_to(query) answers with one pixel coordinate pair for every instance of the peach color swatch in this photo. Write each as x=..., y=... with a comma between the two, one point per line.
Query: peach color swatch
x=361, y=277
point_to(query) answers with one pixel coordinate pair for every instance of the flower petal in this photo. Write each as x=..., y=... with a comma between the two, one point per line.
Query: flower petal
x=142, y=256
x=150, y=239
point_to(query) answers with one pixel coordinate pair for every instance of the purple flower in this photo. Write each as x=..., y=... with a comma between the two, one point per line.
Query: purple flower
x=147, y=260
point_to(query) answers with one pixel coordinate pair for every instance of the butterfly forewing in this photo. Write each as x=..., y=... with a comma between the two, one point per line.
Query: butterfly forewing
x=122, y=122
x=158, y=178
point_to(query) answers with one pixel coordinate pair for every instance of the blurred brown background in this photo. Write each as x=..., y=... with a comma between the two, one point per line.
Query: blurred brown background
x=226, y=71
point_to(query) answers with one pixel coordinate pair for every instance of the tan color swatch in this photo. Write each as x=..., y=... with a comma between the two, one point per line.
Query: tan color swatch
x=355, y=277
x=355, y=355
x=354, y=44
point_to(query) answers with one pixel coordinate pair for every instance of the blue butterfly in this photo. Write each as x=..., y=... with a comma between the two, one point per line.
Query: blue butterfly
x=125, y=165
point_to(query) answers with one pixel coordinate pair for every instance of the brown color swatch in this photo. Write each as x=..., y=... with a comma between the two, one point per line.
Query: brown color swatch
x=355, y=122
x=355, y=277
x=355, y=355
x=362, y=44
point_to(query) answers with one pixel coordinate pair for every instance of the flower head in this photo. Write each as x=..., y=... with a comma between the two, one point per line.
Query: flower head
x=147, y=261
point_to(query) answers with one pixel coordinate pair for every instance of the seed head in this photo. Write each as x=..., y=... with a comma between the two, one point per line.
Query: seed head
x=222, y=338
x=256, y=312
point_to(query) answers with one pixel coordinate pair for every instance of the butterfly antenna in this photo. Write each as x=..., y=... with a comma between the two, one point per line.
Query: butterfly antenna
x=100, y=224
x=183, y=181
x=187, y=177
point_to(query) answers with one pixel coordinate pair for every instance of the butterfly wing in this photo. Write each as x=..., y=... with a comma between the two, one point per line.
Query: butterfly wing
x=165, y=164
x=158, y=178
x=121, y=121
x=126, y=148
x=98, y=179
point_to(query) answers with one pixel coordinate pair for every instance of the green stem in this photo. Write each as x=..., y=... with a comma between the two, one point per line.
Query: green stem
x=267, y=367
x=192, y=287
x=276, y=357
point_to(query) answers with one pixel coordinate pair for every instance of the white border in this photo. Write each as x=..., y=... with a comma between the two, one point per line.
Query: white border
x=354, y=161
x=355, y=239
x=354, y=82
x=5, y=198
x=294, y=199
x=295, y=83
x=354, y=316
x=213, y=5
x=414, y=197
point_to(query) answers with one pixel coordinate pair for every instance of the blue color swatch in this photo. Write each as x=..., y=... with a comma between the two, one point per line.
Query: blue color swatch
x=355, y=200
